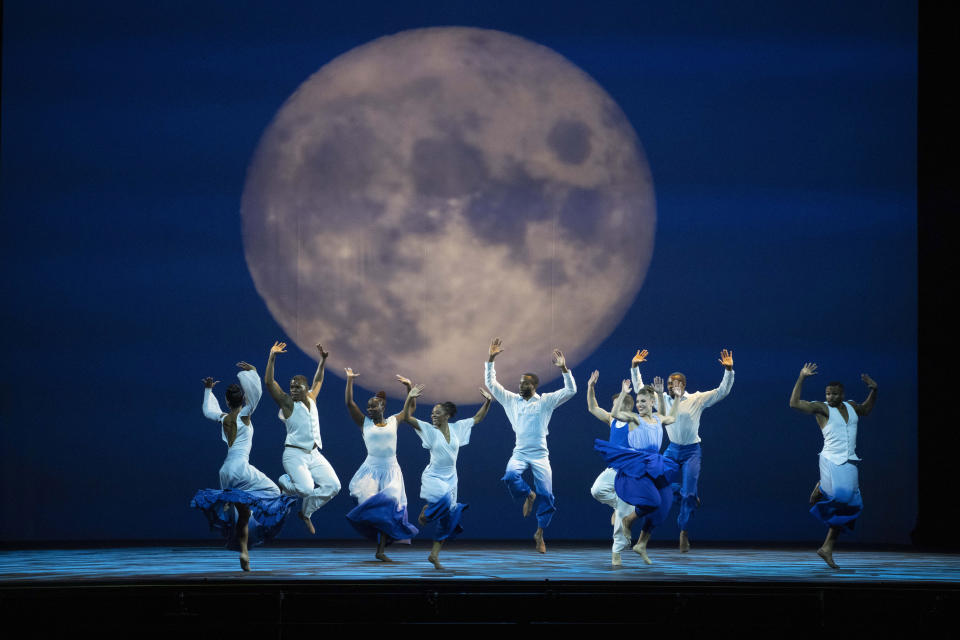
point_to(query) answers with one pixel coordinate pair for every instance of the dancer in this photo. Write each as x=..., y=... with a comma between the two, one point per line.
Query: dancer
x=242, y=486
x=438, y=484
x=381, y=511
x=529, y=414
x=684, y=434
x=643, y=475
x=836, y=499
x=308, y=474
x=603, y=489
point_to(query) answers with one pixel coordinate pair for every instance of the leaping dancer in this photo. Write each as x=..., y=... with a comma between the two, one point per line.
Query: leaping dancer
x=308, y=474
x=529, y=414
x=836, y=499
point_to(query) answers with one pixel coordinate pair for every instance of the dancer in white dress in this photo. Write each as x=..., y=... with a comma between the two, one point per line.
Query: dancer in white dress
x=308, y=474
x=438, y=484
x=242, y=486
x=381, y=511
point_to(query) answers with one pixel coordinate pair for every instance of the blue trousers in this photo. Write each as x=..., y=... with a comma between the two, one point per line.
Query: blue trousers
x=688, y=456
x=544, y=505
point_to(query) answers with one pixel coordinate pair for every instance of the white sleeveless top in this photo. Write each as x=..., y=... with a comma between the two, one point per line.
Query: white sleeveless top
x=381, y=441
x=839, y=436
x=303, y=426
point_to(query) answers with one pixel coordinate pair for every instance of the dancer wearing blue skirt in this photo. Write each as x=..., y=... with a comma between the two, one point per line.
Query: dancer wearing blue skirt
x=381, y=511
x=438, y=484
x=644, y=476
x=243, y=488
x=836, y=499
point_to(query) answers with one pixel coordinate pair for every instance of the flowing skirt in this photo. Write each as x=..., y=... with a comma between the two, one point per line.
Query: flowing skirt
x=267, y=513
x=378, y=487
x=632, y=466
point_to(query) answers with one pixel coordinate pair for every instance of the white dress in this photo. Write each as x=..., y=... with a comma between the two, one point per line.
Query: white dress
x=439, y=479
x=380, y=472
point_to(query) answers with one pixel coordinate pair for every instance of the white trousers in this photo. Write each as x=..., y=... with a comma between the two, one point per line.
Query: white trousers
x=309, y=476
x=603, y=491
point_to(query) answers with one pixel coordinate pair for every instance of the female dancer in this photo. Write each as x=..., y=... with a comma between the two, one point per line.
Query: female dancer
x=643, y=475
x=438, y=484
x=242, y=485
x=381, y=511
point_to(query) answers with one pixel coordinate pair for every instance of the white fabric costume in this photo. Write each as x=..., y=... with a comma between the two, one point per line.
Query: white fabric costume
x=603, y=491
x=236, y=471
x=838, y=479
x=686, y=428
x=380, y=472
x=439, y=479
x=308, y=474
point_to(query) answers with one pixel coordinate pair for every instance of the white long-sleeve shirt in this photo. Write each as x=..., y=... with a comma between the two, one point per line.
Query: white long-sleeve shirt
x=686, y=428
x=529, y=418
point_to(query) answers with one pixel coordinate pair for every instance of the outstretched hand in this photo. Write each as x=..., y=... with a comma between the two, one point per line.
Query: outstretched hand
x=323, y=354
x=404, y=381
x=558, y=359
x=496, y=348
x=486, y=395
x=870, y=382
x=415, y=391
x=246, y=366
x=593, y=378
x=640, y=357
x=625, y=386
x=658, y=384
x=350, y=374
x=209, y=383
x=809, y=369
x=278, y=347
x=726, y=358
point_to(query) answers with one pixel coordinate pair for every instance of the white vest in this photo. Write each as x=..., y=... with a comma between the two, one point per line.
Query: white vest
x=303, y=426
x=839, y=436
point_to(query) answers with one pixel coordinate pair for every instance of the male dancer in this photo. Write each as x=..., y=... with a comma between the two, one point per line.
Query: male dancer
x=603, y=487
x=684, y=434
x=529, y=414
x=836, y=499
x=308, y=474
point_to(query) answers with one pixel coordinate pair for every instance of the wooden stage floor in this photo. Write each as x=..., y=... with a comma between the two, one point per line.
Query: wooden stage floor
x=198, y=590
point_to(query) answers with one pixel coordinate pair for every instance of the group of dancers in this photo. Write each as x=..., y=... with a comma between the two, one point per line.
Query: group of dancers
x=640, y=483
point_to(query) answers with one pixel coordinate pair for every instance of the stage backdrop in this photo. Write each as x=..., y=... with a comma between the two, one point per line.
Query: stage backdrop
x=748, y=182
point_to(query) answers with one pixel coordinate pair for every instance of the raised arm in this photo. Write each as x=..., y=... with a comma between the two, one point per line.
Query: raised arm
x=409, y=385
x=482, y=413
x=617, y=411
x=211, y=408
x=592, y=405
x=661, y=400
x=726, y=384
x=318, y=376
x=558, y=397
x=283, y=401
x=864, y=409
x=406, y=414
x=815, y=408
x=635, y=376
x=671, y=417
x=490, y=374
x=352, y=407
x=252, y=390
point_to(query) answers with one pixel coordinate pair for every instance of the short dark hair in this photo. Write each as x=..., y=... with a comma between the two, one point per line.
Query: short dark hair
x=839, y=385
x=302, y=379
x=234, y=396
x=677, y=374
x=450, y=408
x=536, y=378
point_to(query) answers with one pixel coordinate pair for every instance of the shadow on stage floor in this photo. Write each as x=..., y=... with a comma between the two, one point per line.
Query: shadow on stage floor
x=197, y=588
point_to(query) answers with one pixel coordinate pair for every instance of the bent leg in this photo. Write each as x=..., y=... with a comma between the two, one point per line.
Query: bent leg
x=513, y=479
x=603, y=488
x=325, y=481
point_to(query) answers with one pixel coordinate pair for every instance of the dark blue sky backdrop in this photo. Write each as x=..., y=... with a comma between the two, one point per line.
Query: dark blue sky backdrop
x=782, y=145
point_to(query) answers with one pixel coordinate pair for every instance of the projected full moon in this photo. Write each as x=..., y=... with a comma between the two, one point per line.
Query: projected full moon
x=427, y=191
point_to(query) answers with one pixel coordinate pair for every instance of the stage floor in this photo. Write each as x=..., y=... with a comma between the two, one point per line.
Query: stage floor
x=464, y=561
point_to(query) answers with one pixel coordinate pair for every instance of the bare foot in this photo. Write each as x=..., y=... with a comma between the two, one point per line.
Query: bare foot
x=528, y=504
x=615, y=560
x=435, y=561
x=641, y=548
x=827, y=556
x=684, y=542
x=245, y=561
x=382, y=557
x=538, y=539
x=307, y=522
x=422, y=519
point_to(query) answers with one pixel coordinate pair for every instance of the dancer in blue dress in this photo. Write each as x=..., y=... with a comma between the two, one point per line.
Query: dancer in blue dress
x=381, y=511
x=243, y=487
x=438, y=484
x=643, y=474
